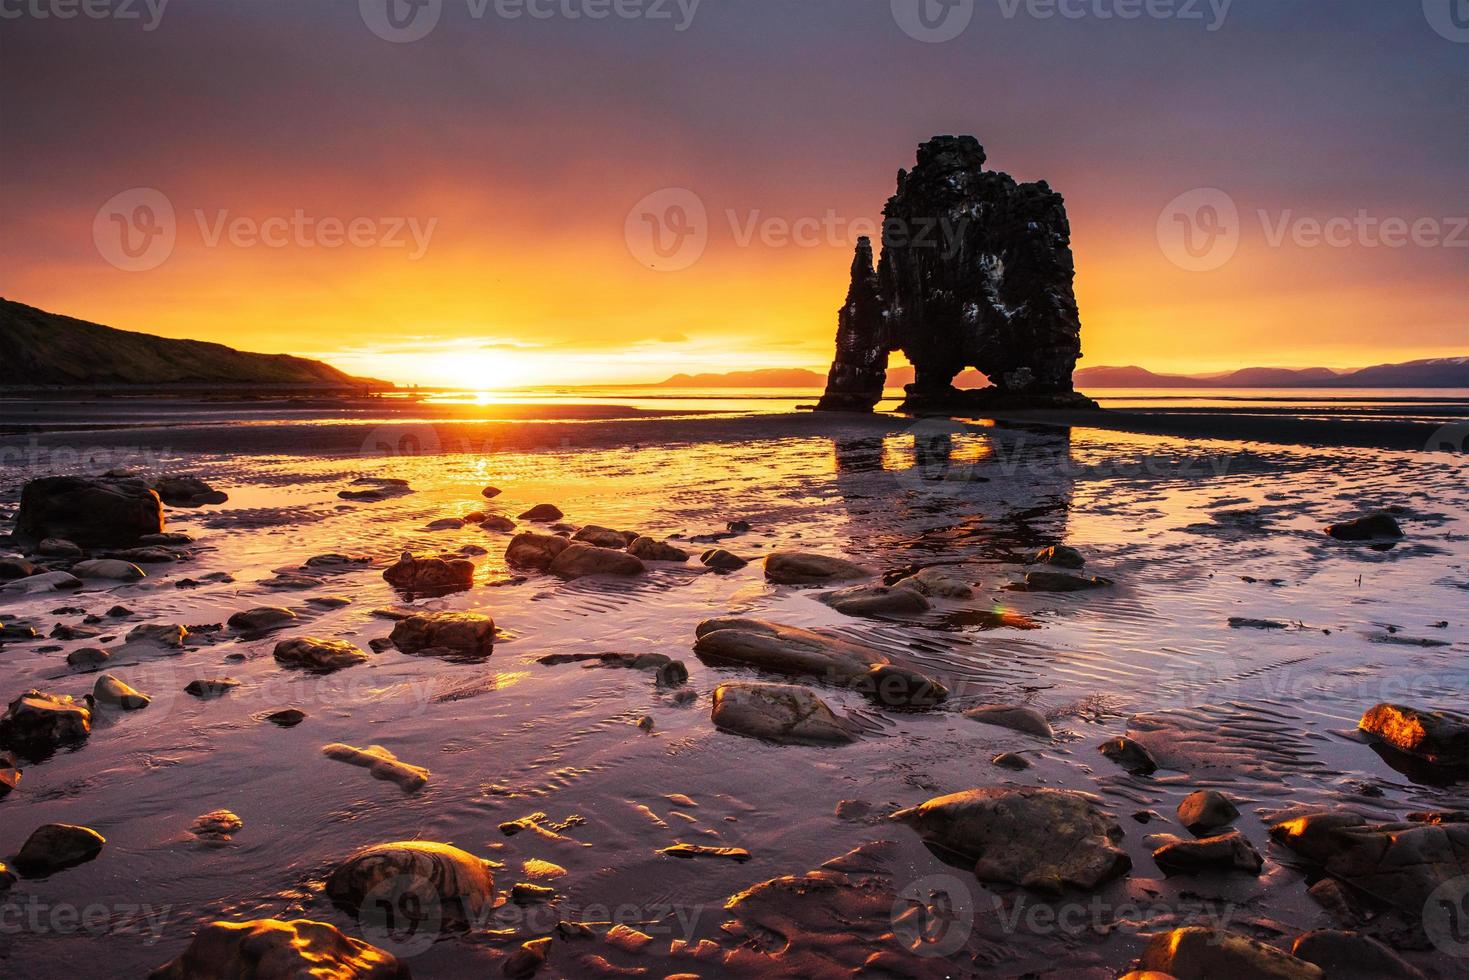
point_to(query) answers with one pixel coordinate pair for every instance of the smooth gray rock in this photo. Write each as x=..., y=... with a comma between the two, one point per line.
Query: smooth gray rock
x=778, y=713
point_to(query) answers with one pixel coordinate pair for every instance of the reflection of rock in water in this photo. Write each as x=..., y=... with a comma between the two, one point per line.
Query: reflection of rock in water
x=976, y=271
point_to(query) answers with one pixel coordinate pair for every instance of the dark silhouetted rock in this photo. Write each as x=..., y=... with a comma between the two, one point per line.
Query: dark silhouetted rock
x=976, y=271
x=1435, y=737
x=604, y=537
x=1373, y=527
x=1130, y=755
x=37, y=723
x=56, y=847
x=91, y=513
x=1206, y=810
x=1352, y=956
x=260, y=619
x=722, y=561
x=1226, y=852
x=543, y=514
x=1060, y=555
x=1196, y=953
x=187, y=491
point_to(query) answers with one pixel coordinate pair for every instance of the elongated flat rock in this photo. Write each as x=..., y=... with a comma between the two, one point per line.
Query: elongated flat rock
x=806, y=568
x=381, y=763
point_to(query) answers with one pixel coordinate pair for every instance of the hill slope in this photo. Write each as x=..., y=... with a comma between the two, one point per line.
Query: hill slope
x=40, y=348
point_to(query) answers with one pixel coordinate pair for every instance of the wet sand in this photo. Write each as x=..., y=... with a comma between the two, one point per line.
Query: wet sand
x=1193, y=531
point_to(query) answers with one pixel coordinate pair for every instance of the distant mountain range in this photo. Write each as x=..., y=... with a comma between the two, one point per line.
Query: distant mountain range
x=46, y=349
x=1438, y=372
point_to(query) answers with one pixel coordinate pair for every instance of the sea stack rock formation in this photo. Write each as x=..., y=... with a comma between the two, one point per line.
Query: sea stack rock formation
x=976, y=271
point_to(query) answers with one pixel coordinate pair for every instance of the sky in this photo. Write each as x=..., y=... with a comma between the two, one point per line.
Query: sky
x=468, y=193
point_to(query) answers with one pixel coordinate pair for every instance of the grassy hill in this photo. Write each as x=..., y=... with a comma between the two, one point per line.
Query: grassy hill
x=40, y=348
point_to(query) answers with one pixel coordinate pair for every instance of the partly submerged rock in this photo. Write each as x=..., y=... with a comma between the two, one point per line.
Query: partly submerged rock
x=543, y=514
x=1038, y=838
x=187, y=491
x=650, y=550
x=110, y=569
x=722, y=561
x=497, y=523
x=1439, y=738
x=805, y=568
x=778, y=713
x=317, y=654
x=736, y=854
x=94, y=513
x=449, y=885
x=1060, y=555
x=37, y=723
x=10, y=774
x=605, y=537
x=1130, y=755
x=209, y=688
x=270, y=949
x=56, y=847
x=1199, y=953
x=42, y=582
x=1225, y=852
x=216, y=826
x=526, y=961
x=381, y=763
x=463, y=633
x=876, y=600
x=1015, y=717
x=579, y=560
x=430, y=576
x=286, y=717
x=1061, y=582
x=1373, y=527
x=937, y=582
x=167, y=635
x=261, y=618
x=535, y=551
x=1206, y=810
x=111, y=691
x=898, y=687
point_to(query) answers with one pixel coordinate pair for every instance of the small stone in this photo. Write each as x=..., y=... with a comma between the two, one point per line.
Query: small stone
x=1206, y=810
x=853, y=809
x=490, y=493
x=877, y=600
x=1061, y=582
x=497, y=523
x=466, y=634
x=56, y=847
x=604, y=537
x=1011, y=760
x=535, y=551
x=216, y=825
x=722, y=561
x=523, y=893
x=528, y=959
x=936, y=582
x=286, y=717
x=1061, y=556
x=778, y=713
x=37, y=723
x=452, y=886
x=210, y=688
x=898, y=687
x=87, y=657
x=58, y=548
x=430, y=576
x=445, y=524
x=646, y=723
x=169, y=636
x=111, y=691
x=1015, y=717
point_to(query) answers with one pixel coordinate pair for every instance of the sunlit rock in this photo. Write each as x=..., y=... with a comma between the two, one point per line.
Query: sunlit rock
x=270, y=949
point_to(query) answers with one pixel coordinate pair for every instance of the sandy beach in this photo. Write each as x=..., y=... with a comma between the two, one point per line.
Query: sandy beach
x=1236, y=640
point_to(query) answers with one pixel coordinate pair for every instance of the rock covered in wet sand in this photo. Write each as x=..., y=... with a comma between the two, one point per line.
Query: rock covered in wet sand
x=778, y=713
x=650, y=550
x=56, y=847
x=430, y=575
x=806, y=568
x=94, y=513
x=381, y=763
x=469, y=634
x=317, y=654
x=1043, y=839
x=1198, y=953
x=37, y=722
x=461, y=882
x=1435, y=737
x=535, y=551
x=578, y=560
x=271, y=949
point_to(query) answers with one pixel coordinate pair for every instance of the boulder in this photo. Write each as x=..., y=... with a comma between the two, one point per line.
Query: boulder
x=260, y=619
x=604, y=537
x=535, y=551
x=1198, y=953
x=784, y=650
x=318, y=655
x=1014, y=717
x=187, y=491
x=898, y=687
x=381, y=763
x=543, y=514
x=805, y=568
x=1043, y=839
x=430, y=576
x=1130, y=755
x=1061, y=582
x=42, y=582
x=1060, y=555
x=271, y=949
x=87, y=657
x=468, y=634
x=1434, y=737
x=453, y=887
x=1373, y=527
x=876, y=600
x=722, y=561
x=56, y=847
x=1352, y=956
x=168, y=635
x=111, y=691
x=1206, y=810
x=91, y=512
x=937, y=582
x=1226, y=852
x=497, y=523
x=650, y=550
x=108, y=568
x=778, y=713
x=579, y=560
x=37, y=723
